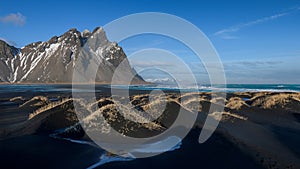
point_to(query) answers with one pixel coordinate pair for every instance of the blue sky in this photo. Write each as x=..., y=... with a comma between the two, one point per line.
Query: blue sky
x=258, y=41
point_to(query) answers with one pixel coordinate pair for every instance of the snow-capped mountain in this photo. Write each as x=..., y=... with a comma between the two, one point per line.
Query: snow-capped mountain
x=54, y=61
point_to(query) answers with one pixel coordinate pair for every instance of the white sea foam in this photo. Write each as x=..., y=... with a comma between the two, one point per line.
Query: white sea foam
x=107, y=159
x=160, y=146
x=157, y=147
x=194, y=88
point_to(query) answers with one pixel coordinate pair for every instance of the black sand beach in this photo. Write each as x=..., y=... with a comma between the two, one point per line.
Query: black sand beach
x=257, y=130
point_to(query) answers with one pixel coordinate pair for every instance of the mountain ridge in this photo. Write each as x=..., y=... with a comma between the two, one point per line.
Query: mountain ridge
x=53, y=61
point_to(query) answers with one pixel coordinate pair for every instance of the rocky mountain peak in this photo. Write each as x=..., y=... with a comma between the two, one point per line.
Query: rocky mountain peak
x=53, y=61
x=86, y=33
x=98, y=39
x=7, y=51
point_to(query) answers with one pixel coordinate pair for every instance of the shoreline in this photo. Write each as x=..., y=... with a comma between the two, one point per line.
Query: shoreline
x=100, y=83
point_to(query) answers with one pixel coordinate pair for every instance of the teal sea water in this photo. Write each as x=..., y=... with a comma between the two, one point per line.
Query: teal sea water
x=227, y=88
x=38, y=88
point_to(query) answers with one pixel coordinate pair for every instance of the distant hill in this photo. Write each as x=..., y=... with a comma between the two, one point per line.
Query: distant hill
x=54, y=61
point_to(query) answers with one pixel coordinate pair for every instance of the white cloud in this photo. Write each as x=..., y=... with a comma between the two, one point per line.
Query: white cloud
x=14, y=18
x=225, y=33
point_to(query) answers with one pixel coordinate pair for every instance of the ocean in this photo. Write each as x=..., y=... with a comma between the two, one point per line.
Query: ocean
x=230, y=88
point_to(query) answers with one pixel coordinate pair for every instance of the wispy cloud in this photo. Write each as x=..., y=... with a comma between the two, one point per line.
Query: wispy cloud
x=226, y=33
x=255, y=63
x=149, y=63
x=14, y=18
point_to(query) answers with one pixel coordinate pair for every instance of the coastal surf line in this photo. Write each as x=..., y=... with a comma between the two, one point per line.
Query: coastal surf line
x=157, y=147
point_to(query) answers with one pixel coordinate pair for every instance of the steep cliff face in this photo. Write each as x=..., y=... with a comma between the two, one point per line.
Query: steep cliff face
x=7, y=54
x=54, y=61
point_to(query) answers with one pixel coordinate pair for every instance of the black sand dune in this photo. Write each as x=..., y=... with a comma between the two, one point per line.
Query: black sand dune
x=257, y=130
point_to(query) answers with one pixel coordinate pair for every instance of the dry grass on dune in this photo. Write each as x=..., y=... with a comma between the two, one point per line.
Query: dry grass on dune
x=99, y=103
x=155, y=104
x=226, y=116
x=36, y=101
x=296, y=96
x=140, y=97
x=47, y=107
x=276, y=100
x=139, y=100
x=192, y=101
x=104, y=106
x=192, y=105
x=260, y=95
x=18, y=98
x=193, y=95
x=116, y=114
x=218, y=100
x=236, y=116
x=236, y=103
x=144, y=112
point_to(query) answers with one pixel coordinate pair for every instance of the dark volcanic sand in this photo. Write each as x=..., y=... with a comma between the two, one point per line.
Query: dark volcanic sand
x=260, y=130
x=217, y=153
x=40, y=151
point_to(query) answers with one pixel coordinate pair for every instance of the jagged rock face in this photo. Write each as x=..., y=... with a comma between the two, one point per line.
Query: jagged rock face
x=7, y=54
x=53, y=61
